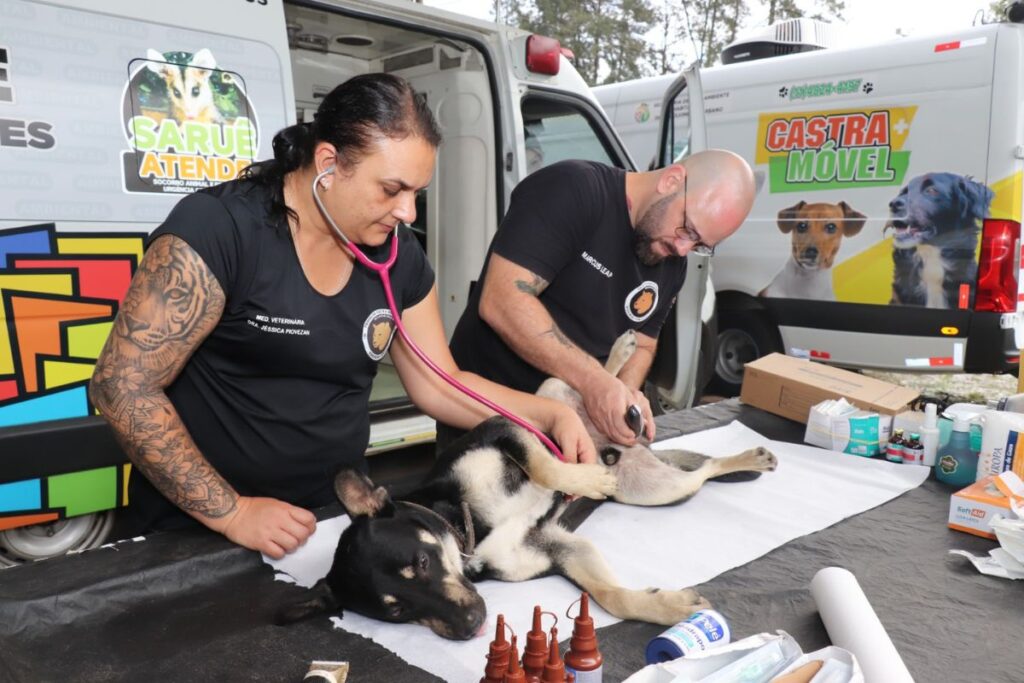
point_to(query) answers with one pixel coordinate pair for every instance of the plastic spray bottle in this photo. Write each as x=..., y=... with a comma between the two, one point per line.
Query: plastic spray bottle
x=929, y=432
x=957, y=464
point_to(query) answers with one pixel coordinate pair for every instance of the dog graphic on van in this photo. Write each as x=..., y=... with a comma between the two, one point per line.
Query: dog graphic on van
x=935, y=222
x=189, y=87
x=815, y=233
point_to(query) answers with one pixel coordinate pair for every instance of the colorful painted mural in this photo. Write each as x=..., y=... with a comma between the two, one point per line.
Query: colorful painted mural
x=60, y=292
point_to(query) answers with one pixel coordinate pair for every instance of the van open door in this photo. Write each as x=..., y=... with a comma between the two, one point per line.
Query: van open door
x=683, y=364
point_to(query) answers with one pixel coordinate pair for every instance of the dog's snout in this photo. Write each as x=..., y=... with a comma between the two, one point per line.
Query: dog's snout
x=896, y=205
x=810, y=253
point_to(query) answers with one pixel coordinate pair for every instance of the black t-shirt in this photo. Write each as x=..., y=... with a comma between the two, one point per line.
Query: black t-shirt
x=276, y=398
x=569, y=224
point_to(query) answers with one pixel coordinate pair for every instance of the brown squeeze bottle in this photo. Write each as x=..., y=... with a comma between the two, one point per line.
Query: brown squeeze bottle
x=514, y=674
x=497, y=658
x=535, y=654
x=583, y=659
x=554, y=670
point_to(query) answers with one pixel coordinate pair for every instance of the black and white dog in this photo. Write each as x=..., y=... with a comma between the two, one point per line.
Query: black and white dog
x=935, y=227
x=490, y=509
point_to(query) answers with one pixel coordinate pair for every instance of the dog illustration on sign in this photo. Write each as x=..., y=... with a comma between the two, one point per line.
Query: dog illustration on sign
x=816, y=231
x=935, y=222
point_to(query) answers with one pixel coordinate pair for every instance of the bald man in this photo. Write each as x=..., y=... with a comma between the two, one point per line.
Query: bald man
x=586, y=252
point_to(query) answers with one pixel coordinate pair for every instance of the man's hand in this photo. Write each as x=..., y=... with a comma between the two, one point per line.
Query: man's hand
x=607, y=399
x=268, y=525
x=571, y=436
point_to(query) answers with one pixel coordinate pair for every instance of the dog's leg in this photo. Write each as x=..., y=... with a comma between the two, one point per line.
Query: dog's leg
x=622, y=350
x=588, y=480
x=578, y=559
x=648, y=477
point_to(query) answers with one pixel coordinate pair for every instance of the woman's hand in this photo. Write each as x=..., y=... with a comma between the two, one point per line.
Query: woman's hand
x=571, y=435
x=268, y=525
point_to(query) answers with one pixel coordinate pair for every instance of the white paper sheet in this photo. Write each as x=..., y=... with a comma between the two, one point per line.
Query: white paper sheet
x=724, y=526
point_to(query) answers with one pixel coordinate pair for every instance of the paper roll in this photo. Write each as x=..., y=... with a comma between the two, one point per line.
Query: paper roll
x=854, y=626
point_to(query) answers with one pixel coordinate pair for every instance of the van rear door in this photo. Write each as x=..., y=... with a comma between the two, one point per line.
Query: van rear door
x=681, y=366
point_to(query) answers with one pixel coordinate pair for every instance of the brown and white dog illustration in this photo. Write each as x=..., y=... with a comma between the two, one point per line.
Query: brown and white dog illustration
x=817, y=229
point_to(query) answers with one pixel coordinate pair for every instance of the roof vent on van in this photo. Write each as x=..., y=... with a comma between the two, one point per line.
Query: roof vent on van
x=350, y=40
x=782, y=38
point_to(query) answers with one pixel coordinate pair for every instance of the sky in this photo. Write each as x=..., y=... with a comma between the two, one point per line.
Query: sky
x=867, y=21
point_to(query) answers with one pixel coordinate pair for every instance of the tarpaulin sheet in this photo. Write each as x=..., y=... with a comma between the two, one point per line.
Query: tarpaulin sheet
x=188, y=606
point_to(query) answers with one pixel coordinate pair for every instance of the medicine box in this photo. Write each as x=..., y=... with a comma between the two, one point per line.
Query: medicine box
x=840, y=426
x=972, y=508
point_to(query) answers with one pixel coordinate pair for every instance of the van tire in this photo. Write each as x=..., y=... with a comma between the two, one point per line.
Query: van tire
x=40, y=541
x=743, y=336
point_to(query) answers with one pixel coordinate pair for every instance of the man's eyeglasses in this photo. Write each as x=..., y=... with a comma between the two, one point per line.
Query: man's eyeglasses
x=685, y=232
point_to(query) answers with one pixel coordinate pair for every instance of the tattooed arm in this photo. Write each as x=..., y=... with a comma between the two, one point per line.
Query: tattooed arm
x=173, y=303
x=509, y=303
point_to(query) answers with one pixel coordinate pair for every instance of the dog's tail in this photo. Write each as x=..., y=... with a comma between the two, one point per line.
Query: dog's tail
x=319, y=600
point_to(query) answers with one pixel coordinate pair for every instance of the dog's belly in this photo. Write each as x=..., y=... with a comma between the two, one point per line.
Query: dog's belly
x=511, y=516
x=793, y=282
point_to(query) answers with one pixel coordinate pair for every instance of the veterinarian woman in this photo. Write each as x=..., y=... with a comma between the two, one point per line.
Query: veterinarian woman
x=237, y=375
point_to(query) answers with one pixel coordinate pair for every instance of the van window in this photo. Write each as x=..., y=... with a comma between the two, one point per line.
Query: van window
x=676, y=141
x=557, y=129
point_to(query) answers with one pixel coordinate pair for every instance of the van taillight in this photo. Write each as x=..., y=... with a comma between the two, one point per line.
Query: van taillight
x=542, y=55
x=997, y=270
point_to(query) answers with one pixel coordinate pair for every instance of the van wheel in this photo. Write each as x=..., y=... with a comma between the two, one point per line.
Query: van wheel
x=41, y=541
x=659, y=406
x=743, y=336
x=705, y=372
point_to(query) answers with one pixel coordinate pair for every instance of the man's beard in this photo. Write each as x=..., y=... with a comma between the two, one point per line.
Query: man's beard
x=647, y=225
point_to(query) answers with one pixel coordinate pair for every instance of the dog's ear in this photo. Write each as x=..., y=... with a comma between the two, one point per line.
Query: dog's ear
x=853, y=220
x=974, y=200
x=787, y=217
x=319, y=600
x=359, y=496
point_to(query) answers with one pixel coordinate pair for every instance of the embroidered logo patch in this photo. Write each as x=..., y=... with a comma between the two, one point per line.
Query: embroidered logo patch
x=642, y=301
x=378, y=331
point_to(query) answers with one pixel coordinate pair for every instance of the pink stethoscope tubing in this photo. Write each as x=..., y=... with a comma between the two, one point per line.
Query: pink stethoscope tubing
x=383, y=270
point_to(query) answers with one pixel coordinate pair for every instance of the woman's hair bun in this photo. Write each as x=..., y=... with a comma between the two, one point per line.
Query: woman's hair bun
x=293, y=146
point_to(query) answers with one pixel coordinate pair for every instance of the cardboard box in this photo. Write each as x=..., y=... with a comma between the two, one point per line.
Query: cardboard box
x=789, y=386
x=972, y=508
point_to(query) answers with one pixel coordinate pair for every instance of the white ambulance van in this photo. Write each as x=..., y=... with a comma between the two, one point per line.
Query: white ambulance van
x=886, y=230
x=102, y=130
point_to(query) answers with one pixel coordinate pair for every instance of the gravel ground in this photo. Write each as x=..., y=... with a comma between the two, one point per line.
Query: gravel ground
x=959, y=388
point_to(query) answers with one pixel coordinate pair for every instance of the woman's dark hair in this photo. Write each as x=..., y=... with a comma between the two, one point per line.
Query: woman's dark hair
x=349, y=117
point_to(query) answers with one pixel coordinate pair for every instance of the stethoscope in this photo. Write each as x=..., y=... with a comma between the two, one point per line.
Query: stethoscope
x=383, y=270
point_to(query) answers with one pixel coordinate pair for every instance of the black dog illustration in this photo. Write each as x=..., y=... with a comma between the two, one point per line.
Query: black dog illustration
x=935, y=227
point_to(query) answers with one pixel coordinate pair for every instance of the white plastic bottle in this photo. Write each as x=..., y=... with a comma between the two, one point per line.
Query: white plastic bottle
x=929, y=433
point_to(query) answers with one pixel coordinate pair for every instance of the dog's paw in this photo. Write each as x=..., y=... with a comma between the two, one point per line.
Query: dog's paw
x=759, y=459
x=674, y=606
x=590, y=481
